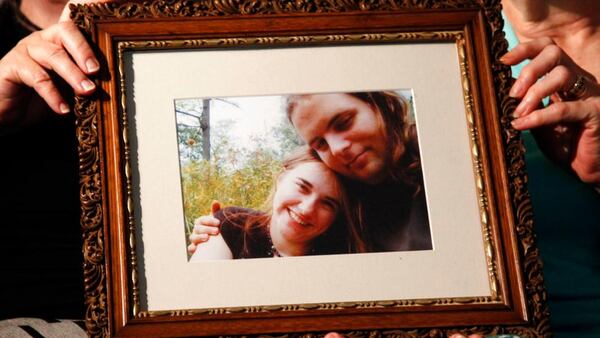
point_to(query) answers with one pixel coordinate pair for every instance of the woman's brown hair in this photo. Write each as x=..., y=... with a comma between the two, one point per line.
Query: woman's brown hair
x=343, y=236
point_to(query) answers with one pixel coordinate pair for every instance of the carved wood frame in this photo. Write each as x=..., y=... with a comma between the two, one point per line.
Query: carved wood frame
x=518, y=297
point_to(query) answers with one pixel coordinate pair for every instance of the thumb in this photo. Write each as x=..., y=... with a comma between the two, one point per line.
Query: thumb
x=333, y=335
x=215, y=207
x=66, y=13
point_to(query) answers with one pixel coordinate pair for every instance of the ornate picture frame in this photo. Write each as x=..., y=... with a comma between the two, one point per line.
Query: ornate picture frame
x=117, y=253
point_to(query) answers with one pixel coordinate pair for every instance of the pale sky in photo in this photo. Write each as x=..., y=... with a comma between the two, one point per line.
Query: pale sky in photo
x=255, y=116
x=252, y=116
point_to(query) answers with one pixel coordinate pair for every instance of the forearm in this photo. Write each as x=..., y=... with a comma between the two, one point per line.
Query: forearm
x=214, y=249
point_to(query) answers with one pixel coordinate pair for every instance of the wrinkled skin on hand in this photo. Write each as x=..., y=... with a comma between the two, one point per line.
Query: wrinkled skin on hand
x=44, y=70
x=30, y=72
x=567, y=130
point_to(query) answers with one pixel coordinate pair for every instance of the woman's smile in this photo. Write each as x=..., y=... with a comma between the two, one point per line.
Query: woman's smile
x=305, y=203
x=297, y=217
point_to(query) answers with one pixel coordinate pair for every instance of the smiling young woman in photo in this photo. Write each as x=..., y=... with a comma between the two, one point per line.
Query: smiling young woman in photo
x=307, y=213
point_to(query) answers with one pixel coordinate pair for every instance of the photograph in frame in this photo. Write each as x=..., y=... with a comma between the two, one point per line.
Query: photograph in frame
x=140, y=226
x=247, y=155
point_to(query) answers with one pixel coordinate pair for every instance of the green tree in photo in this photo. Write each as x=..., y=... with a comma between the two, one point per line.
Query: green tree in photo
x=232, y=175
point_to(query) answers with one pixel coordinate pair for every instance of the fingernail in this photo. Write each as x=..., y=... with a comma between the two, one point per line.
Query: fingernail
x=522, y=107
x=516, y=123
x=518, y=110
x=516, y=89
x=92, y=65
x=64, y=108
x=87, y=85
x=504, y=58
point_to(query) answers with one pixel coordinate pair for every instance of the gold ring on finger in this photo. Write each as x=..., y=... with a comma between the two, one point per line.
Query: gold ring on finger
x=577, y=90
